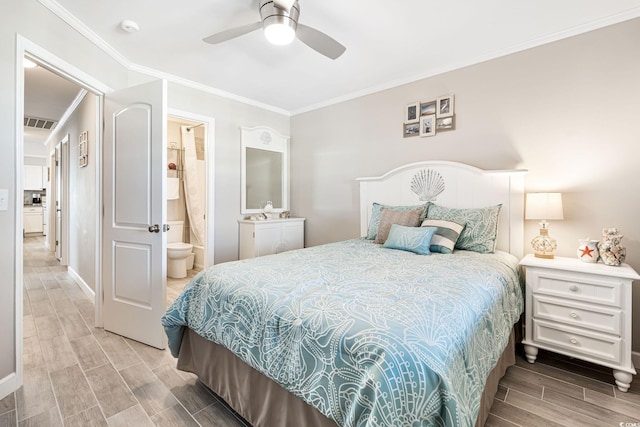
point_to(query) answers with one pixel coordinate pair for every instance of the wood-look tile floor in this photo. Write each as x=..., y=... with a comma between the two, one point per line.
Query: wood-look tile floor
x=78, y=375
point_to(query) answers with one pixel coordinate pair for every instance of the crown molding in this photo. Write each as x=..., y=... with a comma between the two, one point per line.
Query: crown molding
x=87, y=32
x=94, y=38
x=204, y=88
x=549, y=38
x=79, y=26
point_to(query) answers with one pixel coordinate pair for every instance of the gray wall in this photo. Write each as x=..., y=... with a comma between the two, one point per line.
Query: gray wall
x=566, y=111
x=229, y=117
x=82, y=190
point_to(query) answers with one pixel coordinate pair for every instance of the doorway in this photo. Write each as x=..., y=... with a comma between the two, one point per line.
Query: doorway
x=201, y=168
x=83, y=83
x=96, y=154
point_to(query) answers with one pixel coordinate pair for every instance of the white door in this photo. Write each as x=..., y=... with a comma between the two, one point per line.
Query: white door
x=134, y=261
x=58, y=203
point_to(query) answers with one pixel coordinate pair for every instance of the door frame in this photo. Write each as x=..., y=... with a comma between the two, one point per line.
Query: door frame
x=27, y=48
x=63, y=196
x=209, y=156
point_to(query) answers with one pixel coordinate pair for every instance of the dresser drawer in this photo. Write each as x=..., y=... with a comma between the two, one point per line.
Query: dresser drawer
x=595, y=317
x=573, y=340
x=601, y=290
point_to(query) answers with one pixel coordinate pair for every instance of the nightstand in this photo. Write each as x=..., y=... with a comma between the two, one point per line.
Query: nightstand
x=581, y=310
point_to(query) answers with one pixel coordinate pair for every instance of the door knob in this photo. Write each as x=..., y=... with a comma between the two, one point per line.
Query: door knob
x=154, y=228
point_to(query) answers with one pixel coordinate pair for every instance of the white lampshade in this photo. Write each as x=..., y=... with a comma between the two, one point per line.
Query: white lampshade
x=546, y=206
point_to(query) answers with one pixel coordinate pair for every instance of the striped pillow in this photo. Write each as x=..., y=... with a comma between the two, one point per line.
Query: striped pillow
x=446, y=235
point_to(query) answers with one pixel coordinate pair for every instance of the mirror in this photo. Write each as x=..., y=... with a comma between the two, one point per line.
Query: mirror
x=264, y=170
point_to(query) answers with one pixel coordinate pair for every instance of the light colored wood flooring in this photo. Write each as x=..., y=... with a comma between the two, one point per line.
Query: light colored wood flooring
x=78, y=375
x=561, y=391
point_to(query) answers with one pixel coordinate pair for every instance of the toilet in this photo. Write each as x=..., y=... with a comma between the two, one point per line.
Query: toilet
x=179, y=254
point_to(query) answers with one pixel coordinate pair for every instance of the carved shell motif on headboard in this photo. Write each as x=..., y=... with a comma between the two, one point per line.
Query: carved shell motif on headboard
x=427, y=184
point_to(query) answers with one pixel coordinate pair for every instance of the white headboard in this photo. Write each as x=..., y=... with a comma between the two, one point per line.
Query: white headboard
x=464, y=187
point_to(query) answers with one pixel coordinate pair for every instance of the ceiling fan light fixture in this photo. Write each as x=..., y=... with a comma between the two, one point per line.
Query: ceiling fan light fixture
x=279, y=34
x=279, y=24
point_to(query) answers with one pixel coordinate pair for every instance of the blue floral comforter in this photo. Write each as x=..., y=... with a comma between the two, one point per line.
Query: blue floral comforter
x=369, y=336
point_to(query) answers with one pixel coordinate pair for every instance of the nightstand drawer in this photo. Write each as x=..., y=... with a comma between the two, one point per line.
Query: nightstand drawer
x=597, y=318
x=573, y=340
x=601, y=291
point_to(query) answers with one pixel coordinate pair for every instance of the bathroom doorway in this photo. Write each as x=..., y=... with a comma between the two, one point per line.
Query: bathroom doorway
x=190, y=197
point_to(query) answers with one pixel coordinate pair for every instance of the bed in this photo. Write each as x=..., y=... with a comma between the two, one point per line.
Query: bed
x=358, y=332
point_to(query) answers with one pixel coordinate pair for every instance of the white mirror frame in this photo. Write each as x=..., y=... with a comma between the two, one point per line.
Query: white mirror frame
x=263, y=138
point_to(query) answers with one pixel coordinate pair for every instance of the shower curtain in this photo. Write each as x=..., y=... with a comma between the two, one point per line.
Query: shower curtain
x=194, y=202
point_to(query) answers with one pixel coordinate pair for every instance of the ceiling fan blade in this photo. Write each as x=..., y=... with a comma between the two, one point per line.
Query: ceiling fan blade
x=284, y=4
x=319, y=41
x=232, y=33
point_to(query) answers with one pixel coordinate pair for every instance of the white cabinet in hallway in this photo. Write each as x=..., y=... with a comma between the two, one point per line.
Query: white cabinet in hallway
x=271, y=236
x=34, y=177
x=33, y=219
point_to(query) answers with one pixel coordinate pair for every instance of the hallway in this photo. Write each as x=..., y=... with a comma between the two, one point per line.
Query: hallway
x=78, y=375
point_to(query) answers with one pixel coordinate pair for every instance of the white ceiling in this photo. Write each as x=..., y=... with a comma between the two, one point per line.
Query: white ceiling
x=388, y=43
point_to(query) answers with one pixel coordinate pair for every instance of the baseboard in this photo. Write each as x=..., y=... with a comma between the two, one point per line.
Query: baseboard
x=8, y=385
x=83, y=285
x=635, y=358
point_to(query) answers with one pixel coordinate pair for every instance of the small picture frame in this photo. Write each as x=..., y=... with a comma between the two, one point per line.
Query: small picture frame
x=444, y=107
x=410, y=129
x=83, y=155
x=412, y=114
x=427, y=108
x=428, y=125
x=445, y=123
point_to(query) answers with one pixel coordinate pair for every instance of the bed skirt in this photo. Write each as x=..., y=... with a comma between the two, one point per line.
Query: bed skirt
x=264, y=403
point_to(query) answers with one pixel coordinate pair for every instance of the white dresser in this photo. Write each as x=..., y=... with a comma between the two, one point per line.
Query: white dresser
x=271, y=236
x=582, y=310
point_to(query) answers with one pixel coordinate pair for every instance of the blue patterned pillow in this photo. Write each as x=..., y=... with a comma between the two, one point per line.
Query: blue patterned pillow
x=480, y=233
x=446, y=235
x=412, y=239
x=376, y=209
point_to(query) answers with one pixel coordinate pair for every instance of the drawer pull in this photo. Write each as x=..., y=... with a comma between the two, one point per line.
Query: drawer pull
x=574, y=288
x=573, y=340
x=574, y=315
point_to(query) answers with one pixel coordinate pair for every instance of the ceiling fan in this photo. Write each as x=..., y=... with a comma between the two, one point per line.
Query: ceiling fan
x=279, y=18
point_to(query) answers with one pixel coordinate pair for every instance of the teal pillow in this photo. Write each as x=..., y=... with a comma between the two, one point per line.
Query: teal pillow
x=446, y=235
x=412, y=239
x=480, y=232
x=376, y=209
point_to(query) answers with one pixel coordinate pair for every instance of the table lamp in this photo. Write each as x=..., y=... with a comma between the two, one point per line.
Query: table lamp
x=543, y=207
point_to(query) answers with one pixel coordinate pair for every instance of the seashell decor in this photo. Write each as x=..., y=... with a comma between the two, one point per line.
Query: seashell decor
x=611, y=250
x=427, y=184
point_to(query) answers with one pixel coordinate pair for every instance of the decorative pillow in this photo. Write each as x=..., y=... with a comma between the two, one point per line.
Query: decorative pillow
x=390, y=216
x=446, y=235
x=374, y=222
x=412, y=239
x=481, y=226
